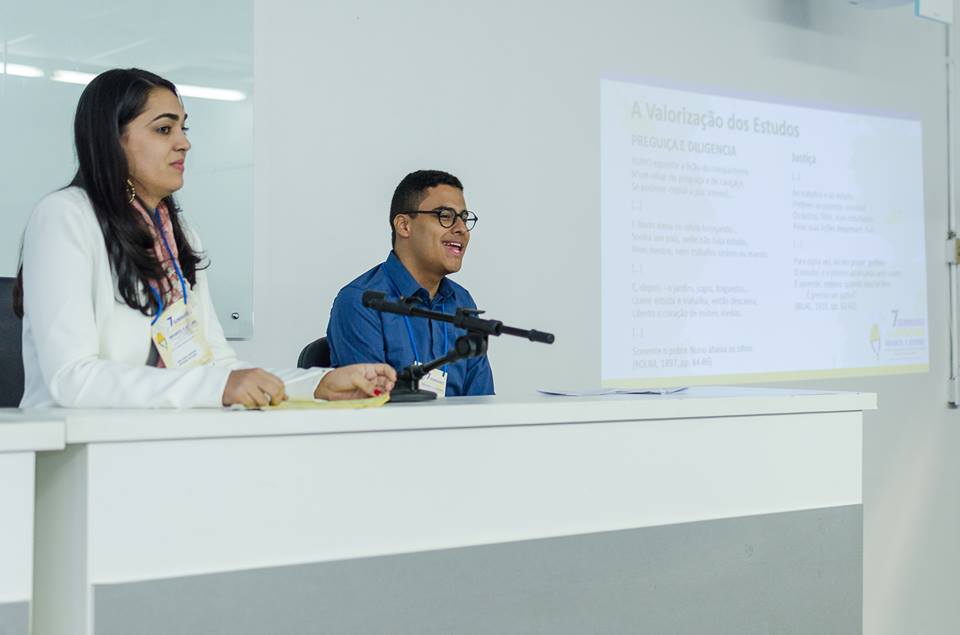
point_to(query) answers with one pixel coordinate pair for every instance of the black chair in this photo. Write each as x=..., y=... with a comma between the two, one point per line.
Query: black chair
x=314, y=354
x=11, y=355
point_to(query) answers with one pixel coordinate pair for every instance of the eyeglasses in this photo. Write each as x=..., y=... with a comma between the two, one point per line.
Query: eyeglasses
x=448, y=216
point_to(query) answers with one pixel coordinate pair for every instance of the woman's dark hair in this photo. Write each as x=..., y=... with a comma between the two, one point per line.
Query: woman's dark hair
x=112, y=100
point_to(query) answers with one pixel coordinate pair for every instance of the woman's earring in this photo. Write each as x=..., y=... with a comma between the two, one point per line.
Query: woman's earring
x=131, y=191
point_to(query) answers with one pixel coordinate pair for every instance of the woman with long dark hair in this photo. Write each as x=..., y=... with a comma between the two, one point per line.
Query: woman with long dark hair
x=115, y=305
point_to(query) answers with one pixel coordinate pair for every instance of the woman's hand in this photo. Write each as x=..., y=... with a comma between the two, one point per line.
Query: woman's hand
x=253, y=388
x=357, y=381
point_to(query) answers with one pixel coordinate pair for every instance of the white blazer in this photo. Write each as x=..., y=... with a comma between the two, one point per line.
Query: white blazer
x=84, y=347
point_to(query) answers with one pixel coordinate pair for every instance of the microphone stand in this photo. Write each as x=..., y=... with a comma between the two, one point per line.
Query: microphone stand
x=473, y=344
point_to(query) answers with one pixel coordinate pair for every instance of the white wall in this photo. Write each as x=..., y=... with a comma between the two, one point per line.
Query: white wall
x=351, y=96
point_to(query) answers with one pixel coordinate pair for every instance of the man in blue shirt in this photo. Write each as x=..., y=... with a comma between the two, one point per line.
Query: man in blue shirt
x=430, y=231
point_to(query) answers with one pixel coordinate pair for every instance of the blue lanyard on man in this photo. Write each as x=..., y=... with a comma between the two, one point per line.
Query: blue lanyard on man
x=413, y=342
x=176, y=267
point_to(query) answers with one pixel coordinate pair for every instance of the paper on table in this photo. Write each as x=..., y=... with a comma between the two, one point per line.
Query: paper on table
x=599, y=392
x=320, y=404
x=669, y=390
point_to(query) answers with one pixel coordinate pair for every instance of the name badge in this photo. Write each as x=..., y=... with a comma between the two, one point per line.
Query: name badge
x=179, y=337
x=435, y=382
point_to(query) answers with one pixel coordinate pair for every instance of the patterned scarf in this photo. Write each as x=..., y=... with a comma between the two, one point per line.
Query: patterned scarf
x=169, y=287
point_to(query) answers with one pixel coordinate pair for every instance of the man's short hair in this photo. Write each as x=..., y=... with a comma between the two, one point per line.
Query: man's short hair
x=413, y=189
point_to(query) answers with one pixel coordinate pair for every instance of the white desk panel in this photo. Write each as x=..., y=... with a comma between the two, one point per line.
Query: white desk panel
x=16, y=526
x=164, y=509
x=161, y=494
x=21, y=435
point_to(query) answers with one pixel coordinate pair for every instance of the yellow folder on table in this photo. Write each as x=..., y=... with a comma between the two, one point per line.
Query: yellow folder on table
x=320, y=404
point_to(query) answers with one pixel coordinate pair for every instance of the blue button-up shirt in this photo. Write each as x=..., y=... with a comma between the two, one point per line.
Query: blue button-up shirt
x=357, y=334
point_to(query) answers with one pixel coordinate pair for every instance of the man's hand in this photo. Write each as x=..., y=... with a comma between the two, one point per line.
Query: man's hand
x=356, y=381
x=254, y=388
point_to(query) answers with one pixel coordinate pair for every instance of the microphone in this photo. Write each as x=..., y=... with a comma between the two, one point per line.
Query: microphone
x=472, y=344
x=540, y=336
x=467, y=319
x=377, y=300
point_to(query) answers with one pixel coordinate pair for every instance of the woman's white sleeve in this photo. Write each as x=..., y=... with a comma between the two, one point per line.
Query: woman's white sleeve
x=60, y=250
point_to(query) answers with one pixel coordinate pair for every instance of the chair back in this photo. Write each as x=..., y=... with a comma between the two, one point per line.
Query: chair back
x=11, y=355
x=315, y=354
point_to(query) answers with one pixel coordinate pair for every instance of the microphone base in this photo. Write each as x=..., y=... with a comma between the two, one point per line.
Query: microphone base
x=402, y=394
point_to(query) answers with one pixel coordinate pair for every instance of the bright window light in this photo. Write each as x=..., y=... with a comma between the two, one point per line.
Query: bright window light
x=205, y=92
x=185, y=90
x=72, y=77
x=20, y=70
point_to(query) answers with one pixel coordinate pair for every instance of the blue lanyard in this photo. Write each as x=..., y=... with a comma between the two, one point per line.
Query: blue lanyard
x=176, y=267
x=406, y=321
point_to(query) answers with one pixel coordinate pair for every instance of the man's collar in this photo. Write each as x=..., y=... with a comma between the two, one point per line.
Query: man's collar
x=445, y=290
x=407, y=285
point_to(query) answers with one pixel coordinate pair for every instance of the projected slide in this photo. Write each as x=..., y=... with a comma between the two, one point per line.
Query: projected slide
x=746, y=240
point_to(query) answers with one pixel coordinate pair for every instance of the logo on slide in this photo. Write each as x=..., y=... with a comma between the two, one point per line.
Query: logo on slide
x=875, y=340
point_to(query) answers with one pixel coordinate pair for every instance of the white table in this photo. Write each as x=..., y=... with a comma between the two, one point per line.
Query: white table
x=21, y=436
x=733, y=503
